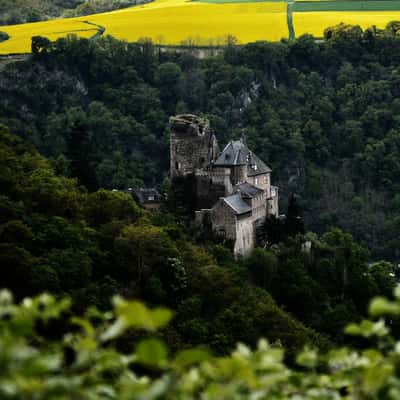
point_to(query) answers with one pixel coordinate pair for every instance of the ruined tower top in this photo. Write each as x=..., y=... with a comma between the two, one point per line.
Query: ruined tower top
x=192, y=144
x=189, y=124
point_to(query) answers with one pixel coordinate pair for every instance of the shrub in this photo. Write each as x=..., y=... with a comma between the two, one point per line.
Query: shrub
x=43, y=362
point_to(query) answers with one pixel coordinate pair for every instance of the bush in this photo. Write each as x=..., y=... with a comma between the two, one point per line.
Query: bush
x=4, y=36
x=82, y=361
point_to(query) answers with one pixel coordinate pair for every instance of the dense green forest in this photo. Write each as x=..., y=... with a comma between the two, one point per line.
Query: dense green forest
x=322, y=114
x=22, y=11
x=91, y=245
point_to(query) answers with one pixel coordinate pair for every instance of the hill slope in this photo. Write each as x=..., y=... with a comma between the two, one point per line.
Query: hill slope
x=65, y=241
x=24, y=11
x=21, y=11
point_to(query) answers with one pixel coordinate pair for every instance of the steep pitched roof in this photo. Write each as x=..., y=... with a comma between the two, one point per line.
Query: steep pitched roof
x=248, y=190
x=256, y=166
x=237, y=153
x=234, y=153
x=237, y=204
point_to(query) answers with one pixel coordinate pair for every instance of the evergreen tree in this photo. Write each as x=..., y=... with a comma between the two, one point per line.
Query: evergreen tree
x=80, y=156
x=294, y=223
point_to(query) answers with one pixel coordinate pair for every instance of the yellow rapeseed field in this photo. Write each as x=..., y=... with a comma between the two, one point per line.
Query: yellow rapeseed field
x=316, y=22
x=172, y=22
x=176, y=22
x=21, y=35
x=167, y=22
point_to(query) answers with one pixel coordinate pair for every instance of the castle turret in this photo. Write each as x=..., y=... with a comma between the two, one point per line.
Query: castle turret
x=193, y=146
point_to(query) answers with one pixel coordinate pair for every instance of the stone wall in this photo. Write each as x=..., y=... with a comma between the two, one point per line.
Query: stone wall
x=208, y=192
x=259, y=207
x=238, y=228
x=239, y=174
x=222, y=176
x=245, y=236
x=273, y=202
x=183, y=196
x=202, y=217
x=223, y=220
x=200, y=52
x=262, y=181
x=191, y=144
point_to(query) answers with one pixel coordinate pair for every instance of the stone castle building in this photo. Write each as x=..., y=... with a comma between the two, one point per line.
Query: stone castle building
x=233, y=190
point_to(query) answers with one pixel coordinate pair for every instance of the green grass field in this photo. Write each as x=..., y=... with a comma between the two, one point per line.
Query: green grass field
x=349, y=5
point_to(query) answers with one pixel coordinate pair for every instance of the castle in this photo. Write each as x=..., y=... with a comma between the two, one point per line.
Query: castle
x=233, y=189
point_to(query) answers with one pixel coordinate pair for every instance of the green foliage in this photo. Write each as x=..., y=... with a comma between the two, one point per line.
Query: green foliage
x=4, y=36
x=104, y=206
x=326, y=281
x=40, y=45
x=168, y=77
x=136, y=315
x=88, y=7
x=45, y=228
x=262, y=265
x=22, y=11
x=85, y=363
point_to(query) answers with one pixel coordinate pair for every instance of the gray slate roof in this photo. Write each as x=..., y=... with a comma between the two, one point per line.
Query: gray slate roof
x=146, y=195
x=237, y=153
x=248, y=190
x=237, y=204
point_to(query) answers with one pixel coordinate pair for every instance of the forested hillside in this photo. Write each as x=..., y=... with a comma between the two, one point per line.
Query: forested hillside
x=323, y=115
x=90, y=246
x=22, y=11
x=55, y=237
